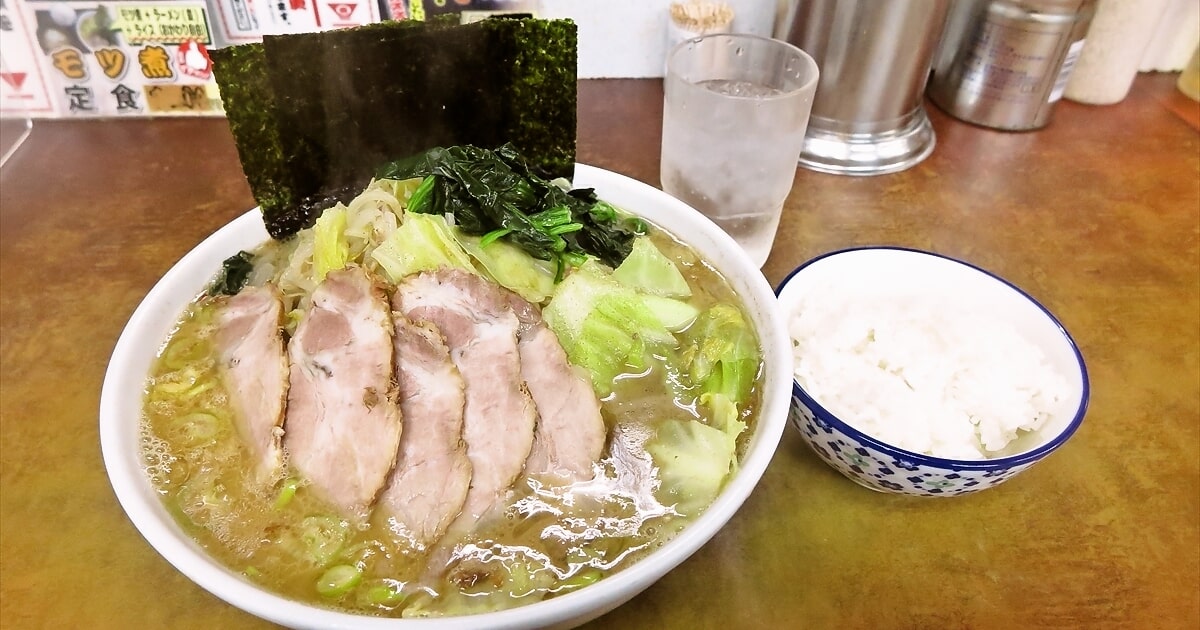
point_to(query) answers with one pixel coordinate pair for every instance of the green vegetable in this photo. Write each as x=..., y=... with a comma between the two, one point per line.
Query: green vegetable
x=694, y=458
x=672, y=314
x=422, y=242
x=423, y=195
x=520, y=580
x=183, y=352
x=317, y=539
x=604, y=326
x=647, y=269
x=496, y=195
x=235, y=271
x=199, y=426
x=509, y=266
x=182, y=381
x=579, y=580
x=382, y=593
x=286, y=493
x=339, y=580
x=722, y=353
x=330, y=251
x=204, y=499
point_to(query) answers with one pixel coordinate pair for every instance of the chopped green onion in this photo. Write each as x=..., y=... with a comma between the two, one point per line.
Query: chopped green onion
x=185, y=351
x=339, y=580
x=199, y=426
x=286, y=493
x=384, y=594
x=199, y=389
x=317, y=539
x=579, y=580
x=172, y=389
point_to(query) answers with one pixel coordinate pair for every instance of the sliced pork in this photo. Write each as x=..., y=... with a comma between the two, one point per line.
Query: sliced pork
x=428, y=486
x=343, y=420
x=570, y=433
x=480, y=329
x=254, y=370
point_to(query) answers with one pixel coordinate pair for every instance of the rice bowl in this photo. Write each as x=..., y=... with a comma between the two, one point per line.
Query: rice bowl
x=886, y=460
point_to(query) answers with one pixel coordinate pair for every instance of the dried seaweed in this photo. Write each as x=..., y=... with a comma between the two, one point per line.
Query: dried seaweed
x=316, y=114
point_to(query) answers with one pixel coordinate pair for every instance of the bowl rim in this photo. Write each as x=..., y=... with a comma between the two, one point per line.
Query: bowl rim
x=133, y=489
x=912, y=457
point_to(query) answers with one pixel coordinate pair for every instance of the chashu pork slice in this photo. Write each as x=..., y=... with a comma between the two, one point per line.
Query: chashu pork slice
x=480, y=329
x=428, y=486
x=254, y=370
x=343, y=421
x=570, y=434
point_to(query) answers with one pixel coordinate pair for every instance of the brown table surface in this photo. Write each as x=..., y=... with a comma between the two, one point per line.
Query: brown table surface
x=1097, y=216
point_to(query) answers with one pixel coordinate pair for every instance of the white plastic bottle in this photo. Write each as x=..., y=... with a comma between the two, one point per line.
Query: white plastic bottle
x=1116, y=41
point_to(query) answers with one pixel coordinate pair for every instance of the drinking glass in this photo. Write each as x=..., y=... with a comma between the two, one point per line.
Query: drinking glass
x=735, y=111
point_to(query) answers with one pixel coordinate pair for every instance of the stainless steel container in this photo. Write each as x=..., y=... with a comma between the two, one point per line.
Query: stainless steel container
x=874, y=57
x=1005, y=63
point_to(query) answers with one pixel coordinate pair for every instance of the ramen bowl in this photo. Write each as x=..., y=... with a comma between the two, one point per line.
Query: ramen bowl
x=153, y=320
x=948, y=295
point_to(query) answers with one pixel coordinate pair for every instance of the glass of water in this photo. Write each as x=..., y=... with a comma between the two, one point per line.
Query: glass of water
x=734, y=115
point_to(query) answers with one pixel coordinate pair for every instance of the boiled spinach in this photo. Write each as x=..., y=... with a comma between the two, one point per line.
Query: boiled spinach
x=496, y=194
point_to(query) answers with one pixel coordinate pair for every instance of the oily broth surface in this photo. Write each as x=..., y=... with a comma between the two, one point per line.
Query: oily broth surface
x=547, y=541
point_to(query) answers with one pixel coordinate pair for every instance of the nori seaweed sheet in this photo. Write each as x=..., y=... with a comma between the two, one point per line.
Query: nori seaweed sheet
x=542, y=95
x=314, y=115
x=245, y=89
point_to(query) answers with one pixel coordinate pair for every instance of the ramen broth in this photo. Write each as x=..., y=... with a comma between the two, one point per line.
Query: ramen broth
x=549, y=541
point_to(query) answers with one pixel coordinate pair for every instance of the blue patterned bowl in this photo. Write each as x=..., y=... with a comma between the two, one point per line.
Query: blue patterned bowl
x=880, y=466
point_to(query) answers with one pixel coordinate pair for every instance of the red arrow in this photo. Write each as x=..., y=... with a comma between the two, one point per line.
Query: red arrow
x=15, y=79
x=343, y=9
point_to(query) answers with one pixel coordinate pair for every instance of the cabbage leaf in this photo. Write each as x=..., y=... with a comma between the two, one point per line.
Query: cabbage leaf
x=510, y=266
x=694, y=458
x=421, y=242
x=330, y=250
x=722, y=353
x=604, y=326
x=648, y=270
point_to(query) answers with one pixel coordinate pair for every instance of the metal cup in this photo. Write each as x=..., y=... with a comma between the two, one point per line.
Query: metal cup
x=874, y=57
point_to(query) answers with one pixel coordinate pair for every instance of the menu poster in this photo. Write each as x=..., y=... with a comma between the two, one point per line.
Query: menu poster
x=435, y=7
x=23, y=89
x=124, y=58
x=396, y=9
x=241, y=21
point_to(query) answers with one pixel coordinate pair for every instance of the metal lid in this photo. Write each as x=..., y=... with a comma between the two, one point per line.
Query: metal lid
x=1044, y=9
x=842, y=153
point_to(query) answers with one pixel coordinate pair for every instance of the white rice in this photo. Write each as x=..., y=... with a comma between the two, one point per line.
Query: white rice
x=922, y=373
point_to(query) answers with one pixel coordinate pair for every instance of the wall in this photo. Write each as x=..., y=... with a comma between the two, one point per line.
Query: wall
x=628, y=38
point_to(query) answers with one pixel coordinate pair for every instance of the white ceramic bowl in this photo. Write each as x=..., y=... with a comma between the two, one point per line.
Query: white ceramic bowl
x=897, y=272
x=121, y=402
